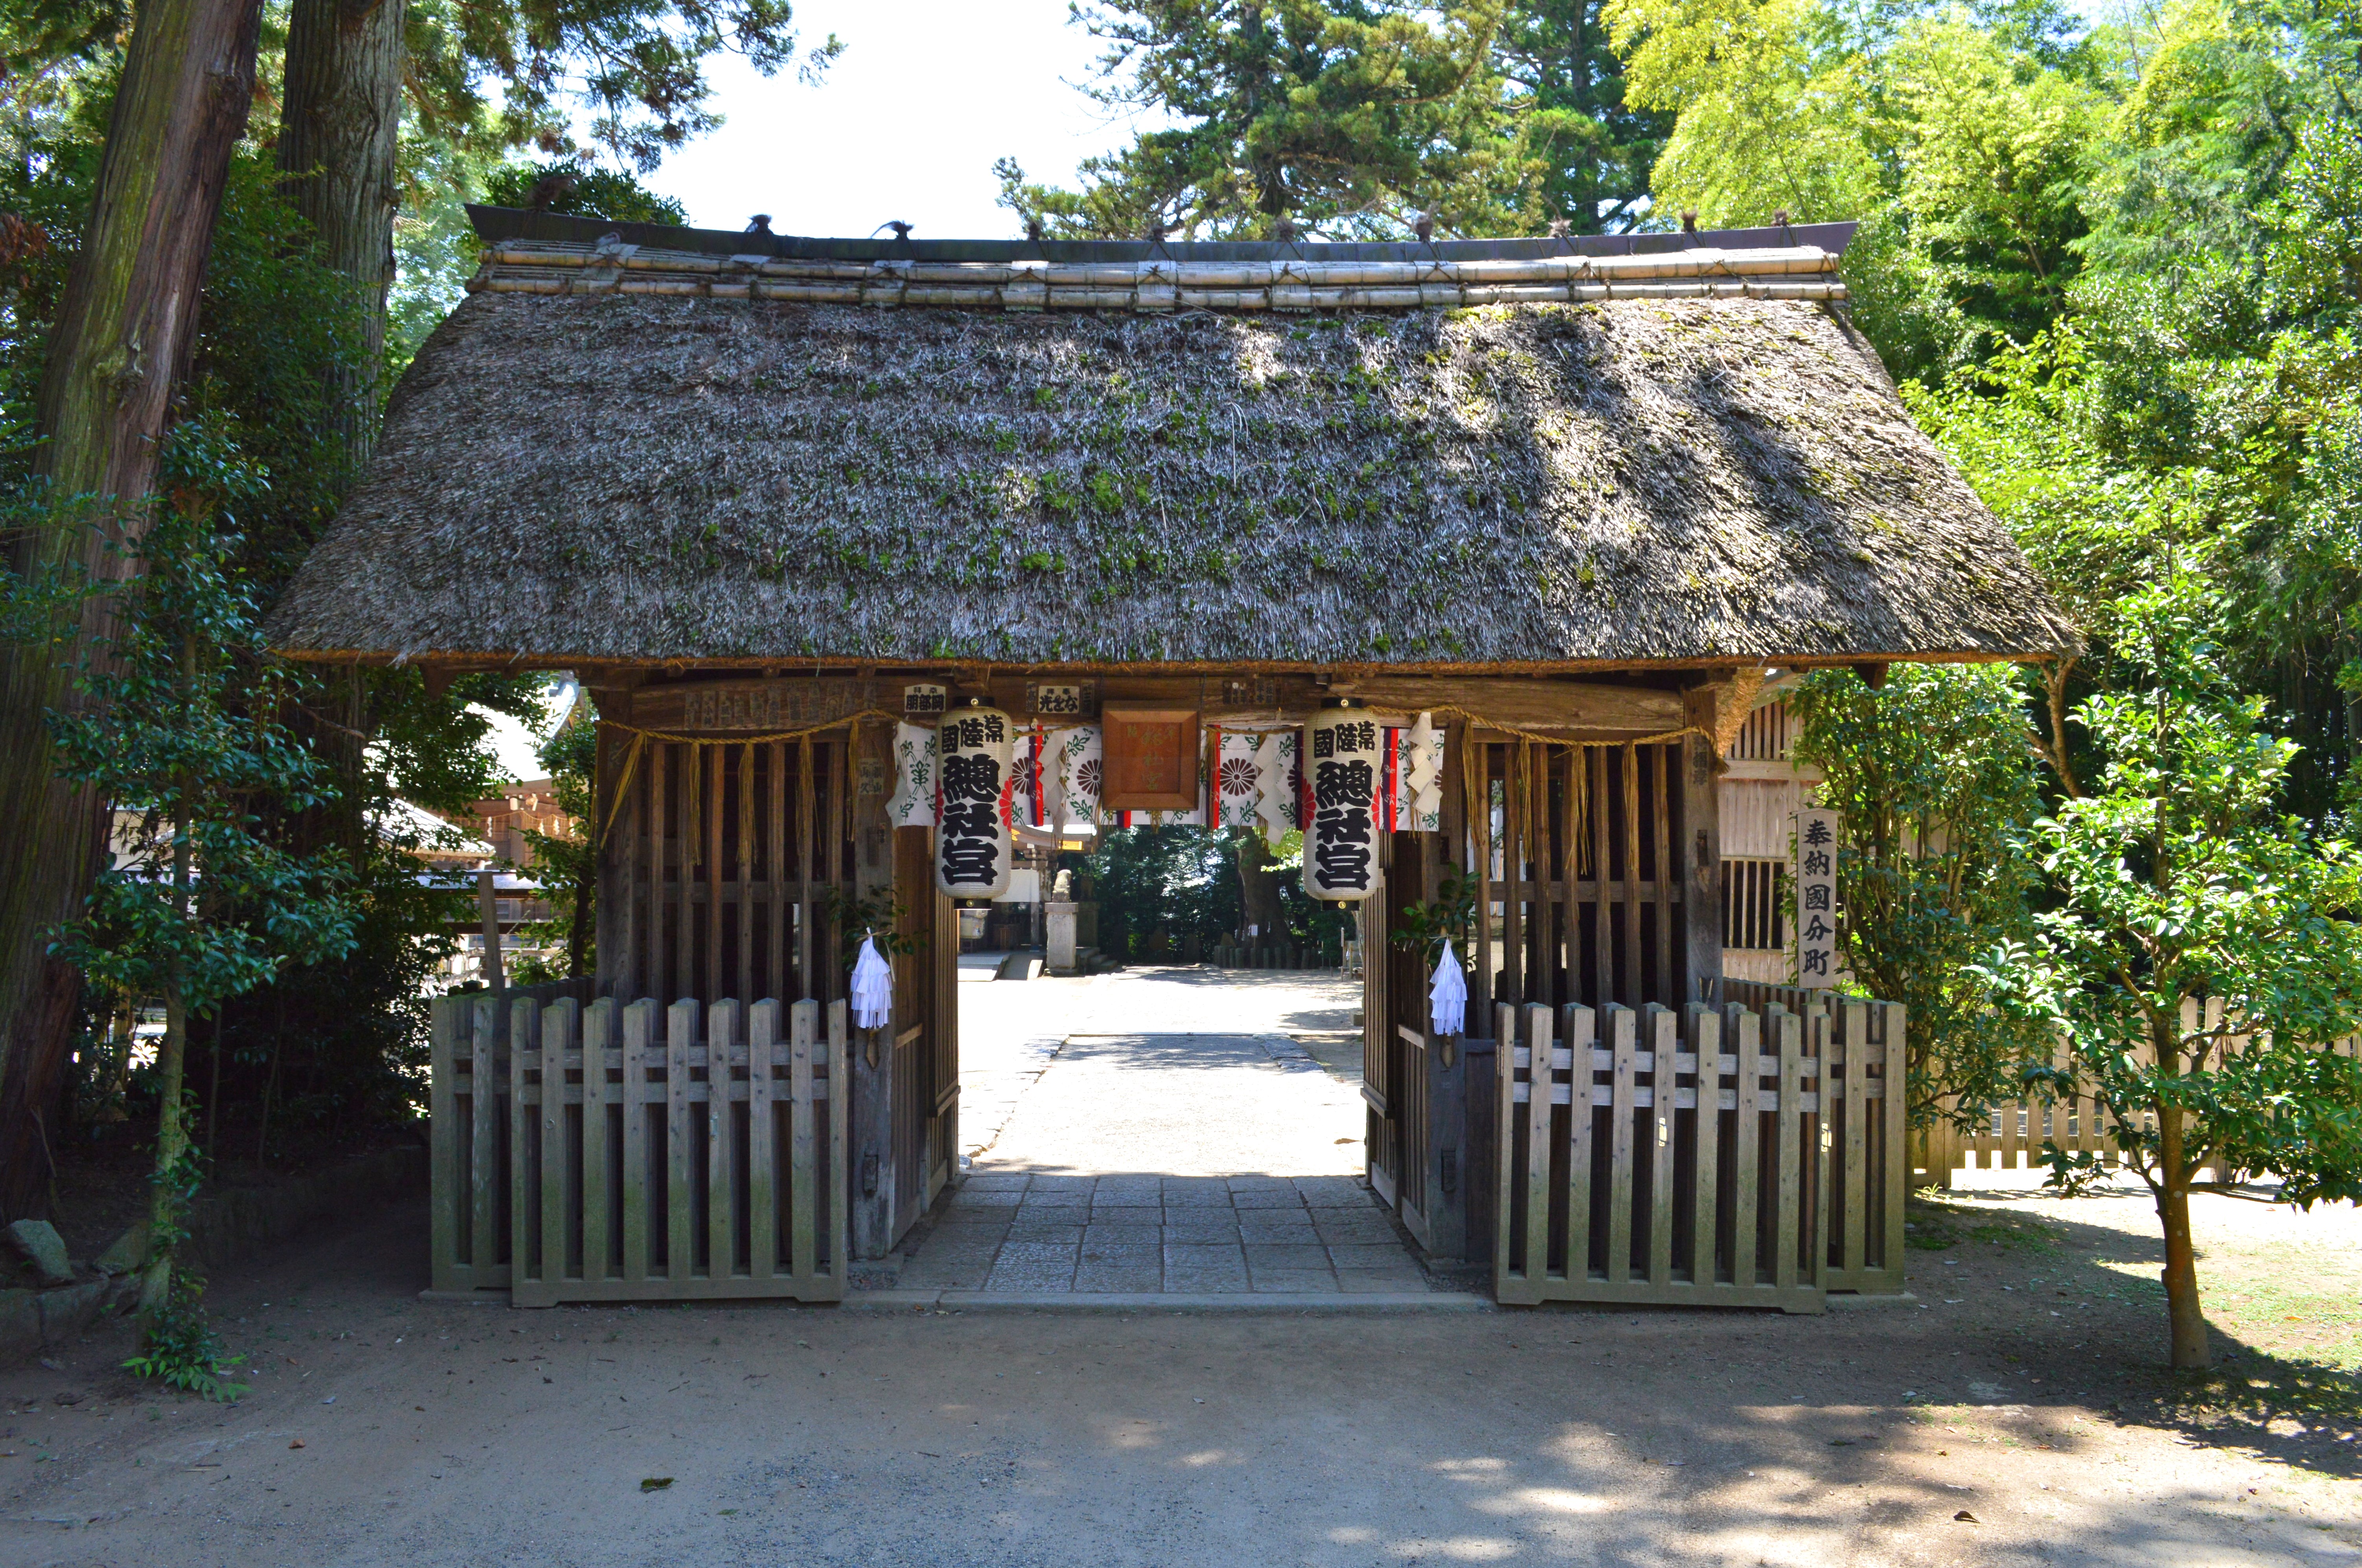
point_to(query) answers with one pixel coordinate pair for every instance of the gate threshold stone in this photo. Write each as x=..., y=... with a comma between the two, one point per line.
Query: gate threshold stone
x=1327, y=1302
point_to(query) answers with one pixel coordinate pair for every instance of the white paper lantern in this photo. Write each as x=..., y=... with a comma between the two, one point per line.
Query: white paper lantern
x=1340, y=862
x=974, y=836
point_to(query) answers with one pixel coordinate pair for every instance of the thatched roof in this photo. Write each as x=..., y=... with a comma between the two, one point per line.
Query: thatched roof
x=684, y=457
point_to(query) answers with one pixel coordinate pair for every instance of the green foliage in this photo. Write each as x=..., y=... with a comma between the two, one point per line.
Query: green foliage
x=1346, y=117
x=177, y=1345
x=1170, y=881
x=1932, y=778
x=179, y=1348
x=568, y=866
x=2177, y=876
x=179, y=725
x=879, y=916
x=635, y=68
x=1959, y=137
x=1591, y=151
x=608, y=194
x=1424, y=927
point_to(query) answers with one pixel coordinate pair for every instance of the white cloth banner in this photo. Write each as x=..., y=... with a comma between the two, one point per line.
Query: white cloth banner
x=1447, y=997
x=1254, y=781
x=1071, y=771
x=1275, y=783
x=1421, y=784
x=913, y=801
x=1237, y=780
x=872, y=989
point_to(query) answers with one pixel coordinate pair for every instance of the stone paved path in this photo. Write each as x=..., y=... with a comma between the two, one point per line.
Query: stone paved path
x=1197, y=1163
x=1019, y=1232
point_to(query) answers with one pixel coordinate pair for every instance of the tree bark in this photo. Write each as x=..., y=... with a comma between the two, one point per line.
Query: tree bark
x=2191, y=1352
x=1258, y=885
x=339, y=125
x=164, y=1216
x=122, y=333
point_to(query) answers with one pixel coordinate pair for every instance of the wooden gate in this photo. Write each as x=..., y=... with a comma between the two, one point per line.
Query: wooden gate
x=736, y=868
x=1593, y=870
x=1713, y=1156
x=721, y=864
x=635, y=1152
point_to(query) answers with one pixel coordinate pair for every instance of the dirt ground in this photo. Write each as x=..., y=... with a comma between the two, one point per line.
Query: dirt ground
x=2023, y=1389
x=2015, y=1411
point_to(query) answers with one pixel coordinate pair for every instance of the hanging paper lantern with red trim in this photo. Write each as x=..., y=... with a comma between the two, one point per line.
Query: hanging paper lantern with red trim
x=1344, y=755
x=974, y=836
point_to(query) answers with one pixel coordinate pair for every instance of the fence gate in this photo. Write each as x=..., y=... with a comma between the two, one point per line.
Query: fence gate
x=1716, y=1156
x=635, y=1152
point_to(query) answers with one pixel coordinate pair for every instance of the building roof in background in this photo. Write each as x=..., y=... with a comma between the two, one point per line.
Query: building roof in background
x=1502, y=455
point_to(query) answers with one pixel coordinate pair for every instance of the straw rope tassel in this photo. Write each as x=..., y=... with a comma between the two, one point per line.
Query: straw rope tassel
x=623, y=784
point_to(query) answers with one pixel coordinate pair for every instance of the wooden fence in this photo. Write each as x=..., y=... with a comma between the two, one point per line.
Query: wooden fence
x=635, y=1152
x=2014, y=1135
x=1716, y=1157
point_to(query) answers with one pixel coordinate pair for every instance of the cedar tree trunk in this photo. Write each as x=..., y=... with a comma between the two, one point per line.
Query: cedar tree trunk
x=338, y=129
x=122, y=333
x=1258, y=884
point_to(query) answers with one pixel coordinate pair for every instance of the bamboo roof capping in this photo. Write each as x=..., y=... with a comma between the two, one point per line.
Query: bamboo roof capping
x=1279, y=283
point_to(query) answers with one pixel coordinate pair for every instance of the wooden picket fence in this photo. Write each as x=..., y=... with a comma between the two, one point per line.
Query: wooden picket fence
x=1718, y=1157
x=636, y=1152
x=2012, y=1136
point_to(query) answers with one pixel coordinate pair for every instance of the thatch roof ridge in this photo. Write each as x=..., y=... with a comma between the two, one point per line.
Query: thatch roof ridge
x=1278, y=283
x=625, y=476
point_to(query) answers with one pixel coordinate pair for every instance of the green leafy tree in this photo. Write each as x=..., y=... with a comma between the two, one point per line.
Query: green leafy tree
x=2178, y=877
x=569, y=187
x=1936, y=785
x=567, y=865
x=182, y=729
x=1958, y=142
x=1346, y=117
x=1591, y=150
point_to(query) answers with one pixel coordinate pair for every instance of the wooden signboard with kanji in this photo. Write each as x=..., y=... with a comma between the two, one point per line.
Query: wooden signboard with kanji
x=1150, y=758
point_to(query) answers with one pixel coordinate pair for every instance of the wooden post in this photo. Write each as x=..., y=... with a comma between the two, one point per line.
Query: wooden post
x=488, y=907
x=451, y=1017
x=877, y=1202
x=1701, y=821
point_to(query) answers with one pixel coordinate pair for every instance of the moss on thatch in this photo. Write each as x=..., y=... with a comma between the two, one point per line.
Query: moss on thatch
x=635, y=477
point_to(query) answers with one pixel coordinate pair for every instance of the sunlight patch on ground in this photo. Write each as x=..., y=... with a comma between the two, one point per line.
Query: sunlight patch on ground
x=1459, y=1548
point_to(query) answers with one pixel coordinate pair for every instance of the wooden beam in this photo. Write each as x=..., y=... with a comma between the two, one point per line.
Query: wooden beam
x=1569, y=707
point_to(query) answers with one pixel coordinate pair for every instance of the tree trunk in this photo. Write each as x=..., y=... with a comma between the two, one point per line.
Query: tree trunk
x=164, y=1218
x=164, y=1215
x=122, y=333
x=1258, y=885
x=337, y=128
x=2191, y=1353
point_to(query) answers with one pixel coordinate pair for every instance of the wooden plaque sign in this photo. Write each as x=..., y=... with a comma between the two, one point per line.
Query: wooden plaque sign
x=1059, y=701
x=761, y=706
x=1149, y=757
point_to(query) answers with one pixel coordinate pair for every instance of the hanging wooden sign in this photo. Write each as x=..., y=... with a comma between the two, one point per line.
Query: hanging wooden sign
x=1817, y=898
x=975, y=838
x=1150, y=758
x=925, y=700
x=1060, y=701
x=760, y=705
x=1339, y=847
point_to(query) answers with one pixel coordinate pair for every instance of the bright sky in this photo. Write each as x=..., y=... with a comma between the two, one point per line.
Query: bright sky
x=909, y=120
x=907, y=126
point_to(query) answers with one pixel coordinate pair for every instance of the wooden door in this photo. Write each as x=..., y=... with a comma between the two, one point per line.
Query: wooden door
x=925, y=1075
